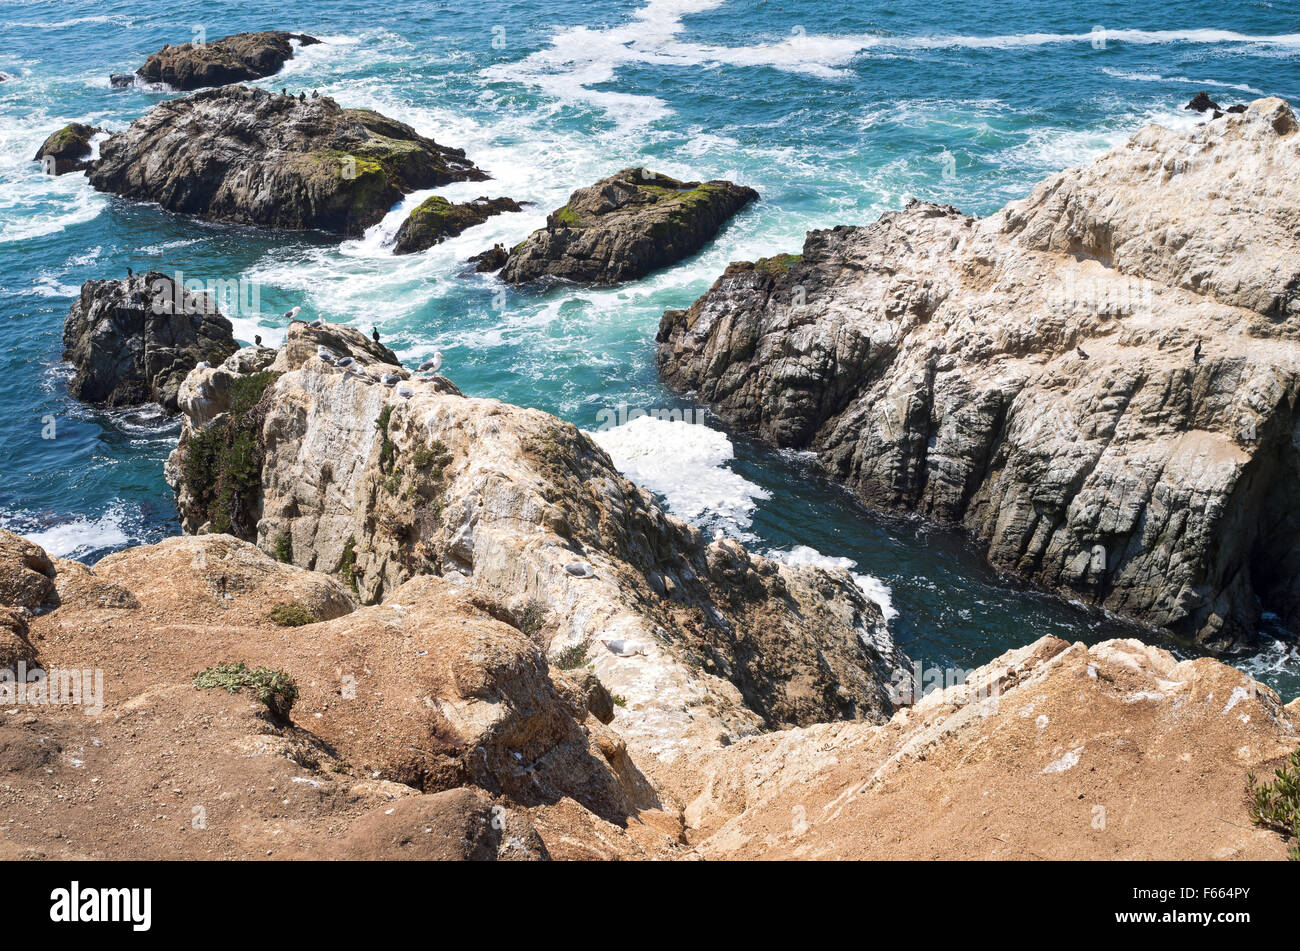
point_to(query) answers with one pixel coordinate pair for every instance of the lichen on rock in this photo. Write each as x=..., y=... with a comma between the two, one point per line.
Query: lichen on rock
x=625, y=226
x=247, y=155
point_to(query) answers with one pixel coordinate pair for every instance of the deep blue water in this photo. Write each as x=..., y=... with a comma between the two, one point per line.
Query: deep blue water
x=834, y=112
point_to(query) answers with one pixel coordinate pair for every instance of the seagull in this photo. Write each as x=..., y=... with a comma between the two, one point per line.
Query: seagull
x=317, y=323
x=345, y=362
x=325, y=355
x=623, y=648
x=374, y=333
x=292, y=314
x=390, y=379
x=579, y=569
x=203, y=365
x=404, y=392
x=433, y=364
x=1079, y=351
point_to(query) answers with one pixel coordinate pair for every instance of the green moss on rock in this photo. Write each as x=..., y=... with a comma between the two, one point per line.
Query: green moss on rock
x=222, y=463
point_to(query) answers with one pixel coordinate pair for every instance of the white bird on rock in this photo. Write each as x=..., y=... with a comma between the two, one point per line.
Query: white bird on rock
x=433, y=364
x=293, y=314
x=389, y=379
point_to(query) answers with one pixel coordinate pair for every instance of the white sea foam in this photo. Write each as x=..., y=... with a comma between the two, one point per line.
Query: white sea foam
x=580, y=58
x=875, y=589
x=81, y=536
x=1157, y=78
x=688, y=465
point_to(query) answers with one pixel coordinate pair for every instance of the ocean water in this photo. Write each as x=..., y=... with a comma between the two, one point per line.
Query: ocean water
x=834, y=112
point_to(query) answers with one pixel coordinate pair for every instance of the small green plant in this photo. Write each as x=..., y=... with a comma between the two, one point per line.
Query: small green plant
x=222, y=462
x=619, y=699
x=291, y=615
x=1276, y=805
x=347, y=567
x=574, y=656
x=531, y=618
x=387, y=448
x=284, y=549
x=274, y=688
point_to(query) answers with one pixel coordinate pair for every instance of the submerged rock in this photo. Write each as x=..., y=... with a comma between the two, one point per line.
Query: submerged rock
x=1100, y=382
x=67, y=150
x=234, y=59
x=1202, y=102
x=625, y=226
x=134, y=341
x=356, y=480
x=436, y=219
x=246, y=155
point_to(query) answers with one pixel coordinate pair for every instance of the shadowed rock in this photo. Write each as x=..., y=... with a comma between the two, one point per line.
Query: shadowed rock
x=135, y=341
x=246, y=155
x=436, y=219
x=625, y=226
x=69, y=148
x=234, y=59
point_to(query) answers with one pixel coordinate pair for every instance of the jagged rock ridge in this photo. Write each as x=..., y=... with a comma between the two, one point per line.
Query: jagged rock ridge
x=1100, y=382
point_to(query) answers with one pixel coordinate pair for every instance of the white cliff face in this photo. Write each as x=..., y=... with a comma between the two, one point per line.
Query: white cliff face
x=701, y=643
x=1100, y=381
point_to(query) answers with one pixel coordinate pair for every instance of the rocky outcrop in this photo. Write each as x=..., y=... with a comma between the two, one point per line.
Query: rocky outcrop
x=625, y=226
x=429, y=727
x=1051, y=751
x=246, y=155
x=436, y=219
x=67, y=150
x=493, y=259
x=135, y=340
x=380, y=484
x=421, y=728
x=1101, y=382
x=234, y=59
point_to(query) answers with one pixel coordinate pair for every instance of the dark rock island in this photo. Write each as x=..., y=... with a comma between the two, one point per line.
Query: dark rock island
x=246, y=155
x=625, y=226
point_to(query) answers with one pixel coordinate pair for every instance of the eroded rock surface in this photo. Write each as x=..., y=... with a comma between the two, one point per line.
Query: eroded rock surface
x=135, y=340
x=246, y=155
x=1100, y=381
x=234, y=59
x=625, y=226
x=378, y=484
x=1051, y=751
x=436, y=219
x=421, y=728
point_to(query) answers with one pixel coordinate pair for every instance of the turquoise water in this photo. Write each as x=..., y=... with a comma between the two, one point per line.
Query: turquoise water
x=834, y=112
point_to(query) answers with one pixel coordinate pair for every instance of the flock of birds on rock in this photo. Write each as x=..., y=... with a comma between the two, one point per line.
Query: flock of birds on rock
x=348, y=363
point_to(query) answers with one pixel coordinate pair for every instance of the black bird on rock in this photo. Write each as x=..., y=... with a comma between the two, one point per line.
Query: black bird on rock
x=1196, y=354
x=1079, y=351
x=374, y=333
